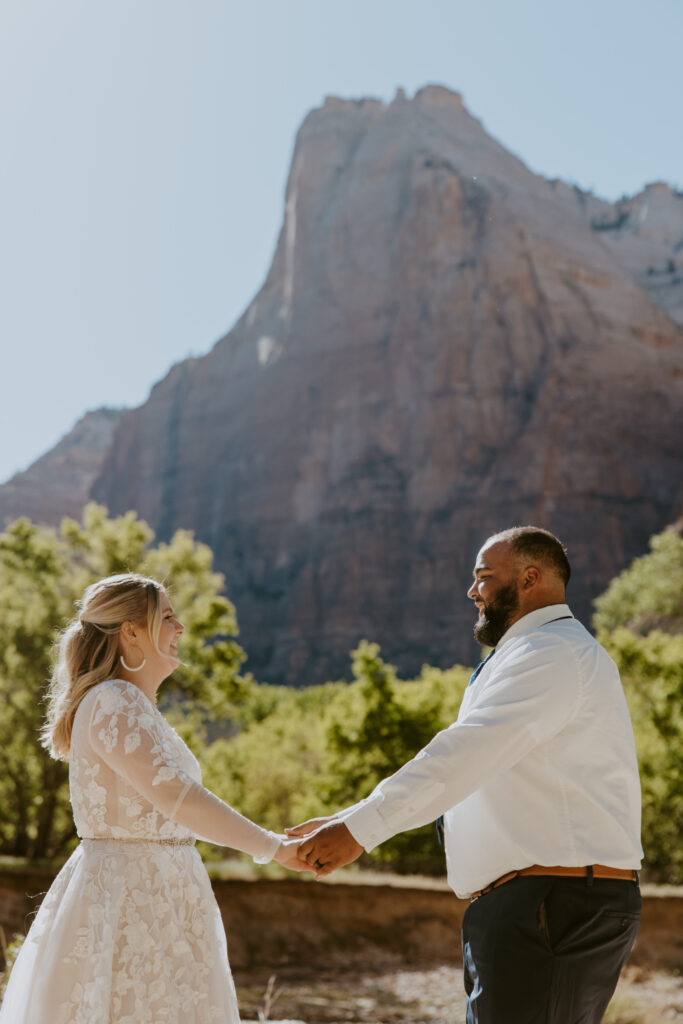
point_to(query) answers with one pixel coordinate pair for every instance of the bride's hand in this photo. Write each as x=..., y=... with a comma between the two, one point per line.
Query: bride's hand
x=286, y=854
x=307, y=827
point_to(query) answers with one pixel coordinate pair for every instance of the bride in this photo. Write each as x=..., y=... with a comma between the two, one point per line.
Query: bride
x=130, y=932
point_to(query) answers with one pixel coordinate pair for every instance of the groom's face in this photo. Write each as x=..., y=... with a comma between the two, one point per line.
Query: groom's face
x=495, y=592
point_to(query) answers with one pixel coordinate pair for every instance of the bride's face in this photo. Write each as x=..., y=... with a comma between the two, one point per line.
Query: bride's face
x=169, y=634
x=162, y=659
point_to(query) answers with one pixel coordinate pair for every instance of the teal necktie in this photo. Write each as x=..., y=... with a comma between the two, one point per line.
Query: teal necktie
x=480, y=666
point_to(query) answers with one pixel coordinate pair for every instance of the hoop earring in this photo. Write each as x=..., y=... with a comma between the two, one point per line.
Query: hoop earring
x=128, y=668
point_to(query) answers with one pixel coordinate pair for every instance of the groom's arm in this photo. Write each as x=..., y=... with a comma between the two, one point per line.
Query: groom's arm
x=528, y=701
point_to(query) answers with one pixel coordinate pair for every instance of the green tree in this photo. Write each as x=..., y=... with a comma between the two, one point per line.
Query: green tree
x=639, y=619
x=652, y=670
x=649, y=593
x=380, y=727
x=272, y=769
x=375, y=734
x=43, y=572
x=325, y=747
x=35, y=817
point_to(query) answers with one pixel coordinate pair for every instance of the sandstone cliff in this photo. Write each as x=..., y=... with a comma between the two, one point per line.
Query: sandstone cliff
x=645, y=233
x=445, y=344
x=59, y=482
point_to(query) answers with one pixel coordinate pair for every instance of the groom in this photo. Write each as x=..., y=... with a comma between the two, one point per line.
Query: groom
x=537, y=783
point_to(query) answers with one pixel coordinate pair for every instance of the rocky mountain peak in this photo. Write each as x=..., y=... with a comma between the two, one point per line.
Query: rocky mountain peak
x=439, y=95
x=445, y=344
x=59, y=483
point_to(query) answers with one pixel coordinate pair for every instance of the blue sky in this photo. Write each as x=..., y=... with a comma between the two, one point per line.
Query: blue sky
x=146, y=146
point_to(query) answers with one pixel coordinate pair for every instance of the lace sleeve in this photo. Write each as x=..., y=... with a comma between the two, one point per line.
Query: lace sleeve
x=125, y=733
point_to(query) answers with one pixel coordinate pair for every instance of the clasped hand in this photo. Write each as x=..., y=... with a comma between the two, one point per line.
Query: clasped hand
x=287, y=854
x=327, y=845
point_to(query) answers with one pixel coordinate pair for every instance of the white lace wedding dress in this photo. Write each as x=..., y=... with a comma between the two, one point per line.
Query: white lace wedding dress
x=130, y=932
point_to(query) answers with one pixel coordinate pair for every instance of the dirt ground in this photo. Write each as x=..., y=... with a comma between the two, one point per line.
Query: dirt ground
x=379, y=950
x=430, y=996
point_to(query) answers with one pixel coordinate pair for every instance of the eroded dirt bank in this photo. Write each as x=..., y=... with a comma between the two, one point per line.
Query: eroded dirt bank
x=272, y=924
x=285, y=922
x=378, y=953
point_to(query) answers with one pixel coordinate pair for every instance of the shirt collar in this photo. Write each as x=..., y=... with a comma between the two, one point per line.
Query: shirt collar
x=528, y=623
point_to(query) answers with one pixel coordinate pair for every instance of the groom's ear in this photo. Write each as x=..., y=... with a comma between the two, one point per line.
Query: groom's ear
x=530, y=577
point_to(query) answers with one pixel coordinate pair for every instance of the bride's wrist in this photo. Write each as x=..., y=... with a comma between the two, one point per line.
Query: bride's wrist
x=266, y=858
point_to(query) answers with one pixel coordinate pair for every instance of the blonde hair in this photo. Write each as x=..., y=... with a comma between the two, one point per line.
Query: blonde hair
x=88, y=651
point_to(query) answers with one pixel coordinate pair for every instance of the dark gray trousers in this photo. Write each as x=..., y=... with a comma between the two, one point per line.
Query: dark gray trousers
x=547, y=950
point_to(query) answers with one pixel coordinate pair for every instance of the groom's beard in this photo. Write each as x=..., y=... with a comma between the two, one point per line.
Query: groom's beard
x=494, y=619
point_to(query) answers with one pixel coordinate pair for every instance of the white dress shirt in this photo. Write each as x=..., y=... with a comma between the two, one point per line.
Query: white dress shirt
x=539, y=768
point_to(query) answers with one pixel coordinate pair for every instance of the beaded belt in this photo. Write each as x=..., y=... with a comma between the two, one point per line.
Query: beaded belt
x=135, y=839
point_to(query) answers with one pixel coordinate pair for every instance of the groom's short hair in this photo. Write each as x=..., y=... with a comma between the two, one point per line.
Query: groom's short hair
x=538, y=545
